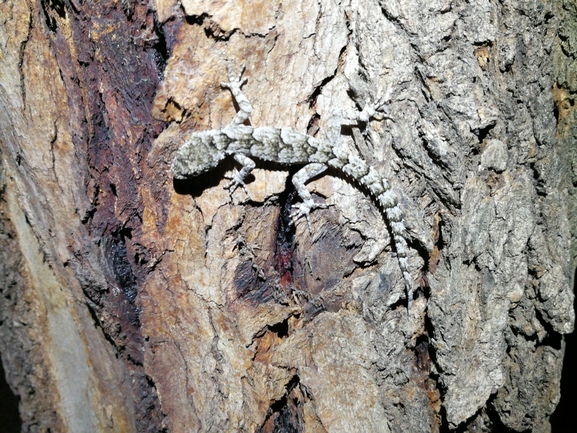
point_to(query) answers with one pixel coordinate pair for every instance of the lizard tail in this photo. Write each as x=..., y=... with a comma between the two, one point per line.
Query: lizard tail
x=379, y=187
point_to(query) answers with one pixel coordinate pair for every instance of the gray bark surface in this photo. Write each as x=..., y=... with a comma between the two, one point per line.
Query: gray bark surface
x=181, y=308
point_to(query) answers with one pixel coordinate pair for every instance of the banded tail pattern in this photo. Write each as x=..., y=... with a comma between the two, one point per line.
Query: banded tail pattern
x=379, y=187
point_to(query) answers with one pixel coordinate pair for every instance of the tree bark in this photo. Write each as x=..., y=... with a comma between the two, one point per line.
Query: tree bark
x=135, y=303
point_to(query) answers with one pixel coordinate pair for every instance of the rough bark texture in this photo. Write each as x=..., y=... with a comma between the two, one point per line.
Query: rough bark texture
x=130, y=302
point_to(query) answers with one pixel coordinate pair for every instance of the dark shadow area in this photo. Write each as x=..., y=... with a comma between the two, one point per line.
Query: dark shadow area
x=9, y=416
x=195, y=186
x=562, y=419
x=287, y=414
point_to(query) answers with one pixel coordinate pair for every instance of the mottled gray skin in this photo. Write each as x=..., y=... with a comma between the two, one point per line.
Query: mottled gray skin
x=204, y=150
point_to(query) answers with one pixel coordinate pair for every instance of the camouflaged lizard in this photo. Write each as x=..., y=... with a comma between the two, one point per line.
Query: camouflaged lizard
x=204, y=150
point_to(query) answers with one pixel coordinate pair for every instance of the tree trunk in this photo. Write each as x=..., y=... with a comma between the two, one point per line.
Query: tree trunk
x=132, y=302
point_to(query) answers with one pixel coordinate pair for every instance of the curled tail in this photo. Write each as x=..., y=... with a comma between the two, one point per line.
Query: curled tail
x=378, y=186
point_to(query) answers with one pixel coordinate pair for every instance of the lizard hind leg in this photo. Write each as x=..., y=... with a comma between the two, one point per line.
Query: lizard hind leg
x=300, y=177
x=334, y=126
x=234, y=84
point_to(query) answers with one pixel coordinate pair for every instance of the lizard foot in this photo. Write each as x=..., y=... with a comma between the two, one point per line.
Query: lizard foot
x=235, y=82
x=305, y=208
x=376, y=110
x=236, y=180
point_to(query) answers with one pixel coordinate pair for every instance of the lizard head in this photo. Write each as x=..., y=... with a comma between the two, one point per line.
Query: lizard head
x=196, y=156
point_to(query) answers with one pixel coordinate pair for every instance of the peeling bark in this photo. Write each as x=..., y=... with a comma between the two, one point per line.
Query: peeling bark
x=132, y=302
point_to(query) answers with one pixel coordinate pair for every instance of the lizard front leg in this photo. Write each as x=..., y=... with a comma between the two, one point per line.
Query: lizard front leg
x=234, y=85
x=299, y=179
x=239, y=176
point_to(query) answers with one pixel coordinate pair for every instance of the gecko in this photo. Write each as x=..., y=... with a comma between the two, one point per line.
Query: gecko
x=286, y=146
